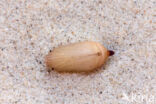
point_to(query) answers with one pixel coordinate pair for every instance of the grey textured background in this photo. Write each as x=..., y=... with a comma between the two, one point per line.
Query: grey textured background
x=30, y=28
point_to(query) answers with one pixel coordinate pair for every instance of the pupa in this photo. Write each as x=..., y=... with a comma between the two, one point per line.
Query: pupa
x=78, y=57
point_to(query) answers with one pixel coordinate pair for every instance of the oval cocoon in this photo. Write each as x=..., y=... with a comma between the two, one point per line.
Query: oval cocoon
x=78, y=57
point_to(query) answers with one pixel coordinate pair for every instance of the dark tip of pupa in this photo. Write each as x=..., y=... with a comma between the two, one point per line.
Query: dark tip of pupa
x=111, y=53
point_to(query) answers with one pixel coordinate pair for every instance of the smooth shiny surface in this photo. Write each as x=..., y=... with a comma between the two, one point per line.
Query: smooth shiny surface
x=77, y=57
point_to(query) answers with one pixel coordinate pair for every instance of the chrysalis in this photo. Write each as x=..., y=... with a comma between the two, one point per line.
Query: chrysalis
x=78, y=57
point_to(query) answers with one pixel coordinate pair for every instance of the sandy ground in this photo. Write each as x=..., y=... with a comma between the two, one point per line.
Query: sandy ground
x=29, y=29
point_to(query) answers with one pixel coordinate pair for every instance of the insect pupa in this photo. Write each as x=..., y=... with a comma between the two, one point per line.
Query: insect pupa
x=78, y=57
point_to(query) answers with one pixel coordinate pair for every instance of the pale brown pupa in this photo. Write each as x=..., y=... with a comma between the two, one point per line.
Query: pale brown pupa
x=78, y=57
